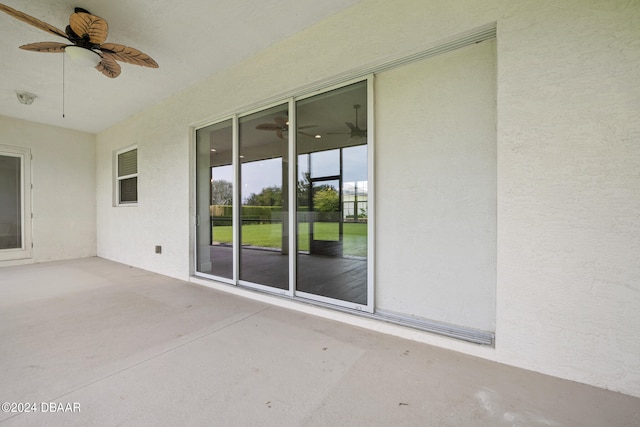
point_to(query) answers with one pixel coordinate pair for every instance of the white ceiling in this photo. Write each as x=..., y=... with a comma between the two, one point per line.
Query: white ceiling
x=190, y=40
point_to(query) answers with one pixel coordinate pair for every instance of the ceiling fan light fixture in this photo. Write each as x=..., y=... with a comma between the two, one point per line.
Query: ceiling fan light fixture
x=82, y=56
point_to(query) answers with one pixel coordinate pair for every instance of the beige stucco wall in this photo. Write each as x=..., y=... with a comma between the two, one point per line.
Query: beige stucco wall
x=568, y=156
x=63, y=195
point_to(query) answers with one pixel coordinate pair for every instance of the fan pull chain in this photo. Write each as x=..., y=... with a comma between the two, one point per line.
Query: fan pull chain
x=63, y=62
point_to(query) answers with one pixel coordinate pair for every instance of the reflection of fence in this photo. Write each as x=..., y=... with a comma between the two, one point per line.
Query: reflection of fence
x=224, y=220
x=221, y=210
x=355, y=211
x=222, y=214
x=355, y=201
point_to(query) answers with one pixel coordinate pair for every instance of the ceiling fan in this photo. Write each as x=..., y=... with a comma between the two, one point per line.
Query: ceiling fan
x=281, y=124
x=88, y=32
x=356, y=132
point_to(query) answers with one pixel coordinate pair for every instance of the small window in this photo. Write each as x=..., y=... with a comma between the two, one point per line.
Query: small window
x=127, y=176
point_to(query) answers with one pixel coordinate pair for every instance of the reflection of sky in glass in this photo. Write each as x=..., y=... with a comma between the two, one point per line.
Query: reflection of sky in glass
x=268, y=173
x=222, y=173
x=255, y=175
x=303, y=163
x=259, y=175
x=325, y=163
x=354, y=163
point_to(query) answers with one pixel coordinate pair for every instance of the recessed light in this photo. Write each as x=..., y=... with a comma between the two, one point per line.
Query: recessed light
x=318, y=136
x=213, y=150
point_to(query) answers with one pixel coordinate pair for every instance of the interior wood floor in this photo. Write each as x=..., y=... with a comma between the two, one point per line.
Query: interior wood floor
x=340, y=278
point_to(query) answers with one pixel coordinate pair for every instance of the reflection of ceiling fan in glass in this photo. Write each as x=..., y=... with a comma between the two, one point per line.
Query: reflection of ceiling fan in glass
x=281, y=125
x=356, y=132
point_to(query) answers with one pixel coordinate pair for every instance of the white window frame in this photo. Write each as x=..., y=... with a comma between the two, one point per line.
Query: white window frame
x=25, y=251
x=117, y=178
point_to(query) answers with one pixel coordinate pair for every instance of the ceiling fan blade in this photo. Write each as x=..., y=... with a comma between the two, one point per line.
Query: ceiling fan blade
x=351, y=126
x=268, y=126
x=129, y=55
x=306, y=134
x=109, y=67
x=94, y=27
x=53, y=47
x=32, y=21
x=279, y=133
x=281, y=121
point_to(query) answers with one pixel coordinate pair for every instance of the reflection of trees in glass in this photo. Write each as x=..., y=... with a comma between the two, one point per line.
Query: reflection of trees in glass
x=326, y=199
x=269, y=196
x=221, y=192
x=304, y=185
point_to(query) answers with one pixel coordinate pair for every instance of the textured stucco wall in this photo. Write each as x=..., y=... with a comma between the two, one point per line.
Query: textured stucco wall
x=63, y=196
x=436, y=177
x=568, y=175
x=569, y=190
x=129, y=234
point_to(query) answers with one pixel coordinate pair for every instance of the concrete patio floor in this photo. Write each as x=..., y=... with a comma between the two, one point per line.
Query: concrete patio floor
x=129, y=347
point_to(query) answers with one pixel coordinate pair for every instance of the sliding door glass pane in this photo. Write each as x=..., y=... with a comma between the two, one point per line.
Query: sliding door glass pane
x=214, y=200
x=263, y=141
x=332, y=195
x=10, y=203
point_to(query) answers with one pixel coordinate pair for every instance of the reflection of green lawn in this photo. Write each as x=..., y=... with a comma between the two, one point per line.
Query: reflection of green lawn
x=354, y=236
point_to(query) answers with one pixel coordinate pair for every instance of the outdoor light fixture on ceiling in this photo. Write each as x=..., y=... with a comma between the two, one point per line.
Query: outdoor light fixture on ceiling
x=83, y=57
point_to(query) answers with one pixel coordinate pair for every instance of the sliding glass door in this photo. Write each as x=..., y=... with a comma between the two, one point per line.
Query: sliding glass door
x=332, y=211
x=214, y=200
x=323, y=255
x=263, y=141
